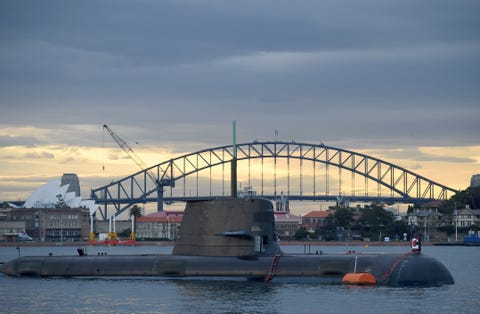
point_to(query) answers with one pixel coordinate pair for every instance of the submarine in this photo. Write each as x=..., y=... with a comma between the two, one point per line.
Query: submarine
x=235, y=238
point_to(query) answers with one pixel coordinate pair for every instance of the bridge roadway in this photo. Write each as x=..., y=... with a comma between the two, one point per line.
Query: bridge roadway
x=327, y=198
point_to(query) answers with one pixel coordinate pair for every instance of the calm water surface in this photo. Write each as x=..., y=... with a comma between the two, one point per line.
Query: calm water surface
x=154, y=295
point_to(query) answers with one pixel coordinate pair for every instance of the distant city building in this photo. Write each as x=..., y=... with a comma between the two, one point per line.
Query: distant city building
x=159, y=225
x=54, y=194
x=396, y=213
x=53, y=212
x=247, y=191
x=315, y=219
x=423, y=218
x=103, y=226
x=286, y=224
x=10, y=230
x=47, y=224
x=475, y=181
x=466, y=217
x=73, y=183
x=158, y=228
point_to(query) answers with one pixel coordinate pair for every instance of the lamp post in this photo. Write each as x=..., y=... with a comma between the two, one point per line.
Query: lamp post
x=456, y=223
x=169, y=229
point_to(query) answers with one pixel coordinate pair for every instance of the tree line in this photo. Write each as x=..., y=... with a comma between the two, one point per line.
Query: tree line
x=374, y=221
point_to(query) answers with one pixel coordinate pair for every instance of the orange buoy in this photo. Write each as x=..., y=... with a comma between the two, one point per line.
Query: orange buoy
x=359, y=279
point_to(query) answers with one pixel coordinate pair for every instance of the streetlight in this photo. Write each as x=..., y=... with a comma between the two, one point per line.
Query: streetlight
x=169, y=229
x=456, y=223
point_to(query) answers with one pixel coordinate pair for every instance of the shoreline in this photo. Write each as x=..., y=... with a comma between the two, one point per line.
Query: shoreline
x=284, y=243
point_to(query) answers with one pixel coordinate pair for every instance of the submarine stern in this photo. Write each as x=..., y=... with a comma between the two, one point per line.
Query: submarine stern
x=408, y=269
x=420, y=270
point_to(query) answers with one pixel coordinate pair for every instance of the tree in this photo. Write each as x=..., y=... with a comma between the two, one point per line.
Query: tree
x=397, y=228
x=469, y=196
x=343, y=217
x=136, y=211
x=375, y=218
x=301, y=234
x=375, y=215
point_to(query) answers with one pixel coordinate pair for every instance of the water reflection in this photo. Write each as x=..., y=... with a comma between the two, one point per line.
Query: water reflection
x=226, y=296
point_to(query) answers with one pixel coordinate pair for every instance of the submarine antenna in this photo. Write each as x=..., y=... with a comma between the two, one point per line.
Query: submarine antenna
x=233, y=170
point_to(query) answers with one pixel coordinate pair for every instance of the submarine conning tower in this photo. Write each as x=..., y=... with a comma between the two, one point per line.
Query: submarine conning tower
x=241, y=227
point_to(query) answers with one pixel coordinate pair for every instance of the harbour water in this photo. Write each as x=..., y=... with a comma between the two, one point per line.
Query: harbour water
x=157, y=295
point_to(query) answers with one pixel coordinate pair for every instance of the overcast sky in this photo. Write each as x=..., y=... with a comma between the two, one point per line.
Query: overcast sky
x=353, y=74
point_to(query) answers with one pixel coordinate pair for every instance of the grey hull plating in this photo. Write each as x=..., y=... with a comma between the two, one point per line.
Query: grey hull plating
x=236, y=238
x=388, y=269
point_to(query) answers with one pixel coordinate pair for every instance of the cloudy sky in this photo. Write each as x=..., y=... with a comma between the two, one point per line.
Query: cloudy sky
x=399, y=80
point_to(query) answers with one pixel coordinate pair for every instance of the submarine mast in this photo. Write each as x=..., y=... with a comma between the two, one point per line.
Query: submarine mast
x=233, y=170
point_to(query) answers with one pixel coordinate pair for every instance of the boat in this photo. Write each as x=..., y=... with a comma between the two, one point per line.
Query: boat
x=234, y=238
x=472, y=239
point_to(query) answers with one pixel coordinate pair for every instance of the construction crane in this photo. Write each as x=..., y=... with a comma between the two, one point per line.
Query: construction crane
x=133, y=156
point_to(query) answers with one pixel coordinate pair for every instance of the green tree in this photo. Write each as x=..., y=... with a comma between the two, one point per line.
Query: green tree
x=449, y=230
x=327, y=231
x=469, y=196
x=343, y=217
x=397, y=228
x=125, y=233
x=375, y=215
x=375, y=218
x=412, y=208
x=301, y=234
x=136, y=211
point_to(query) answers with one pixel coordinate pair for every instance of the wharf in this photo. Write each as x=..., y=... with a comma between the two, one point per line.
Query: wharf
x=284, y=243
x=455, y=243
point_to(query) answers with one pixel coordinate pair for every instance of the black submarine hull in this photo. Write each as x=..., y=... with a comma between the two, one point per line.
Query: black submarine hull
x=388, y=269
x=236, y=238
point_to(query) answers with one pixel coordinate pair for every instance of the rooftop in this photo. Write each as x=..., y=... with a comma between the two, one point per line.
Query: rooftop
x=317, y=214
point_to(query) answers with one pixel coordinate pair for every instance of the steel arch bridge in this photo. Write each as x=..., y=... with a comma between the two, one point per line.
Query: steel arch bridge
x=301, y=171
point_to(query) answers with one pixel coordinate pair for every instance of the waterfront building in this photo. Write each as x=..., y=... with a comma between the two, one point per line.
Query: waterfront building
x=53, y=212
x=159, y=225
x=46, y=224
x=9, y=230
x=315, y=220
x=121, y=226
x=286, y=224
x=431, y=218
x=466, y=217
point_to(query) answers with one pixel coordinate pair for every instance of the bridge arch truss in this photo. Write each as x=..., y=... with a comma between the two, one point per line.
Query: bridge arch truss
x=302, y=171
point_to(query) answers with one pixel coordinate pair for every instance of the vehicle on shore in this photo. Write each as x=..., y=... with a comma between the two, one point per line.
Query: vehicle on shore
x=472, y=239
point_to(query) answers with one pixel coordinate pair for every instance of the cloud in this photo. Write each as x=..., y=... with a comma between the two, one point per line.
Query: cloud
x=39, y=155
x=173, y=75
x=6, y=140
x=423, y=154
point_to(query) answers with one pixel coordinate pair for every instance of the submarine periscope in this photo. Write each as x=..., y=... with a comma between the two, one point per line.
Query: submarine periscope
x=235, y=238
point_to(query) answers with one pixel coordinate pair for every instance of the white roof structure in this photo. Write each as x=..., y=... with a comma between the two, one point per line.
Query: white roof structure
x=51, y=194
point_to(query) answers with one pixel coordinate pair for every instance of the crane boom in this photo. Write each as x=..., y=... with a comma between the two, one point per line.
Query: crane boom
x=124, y=146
